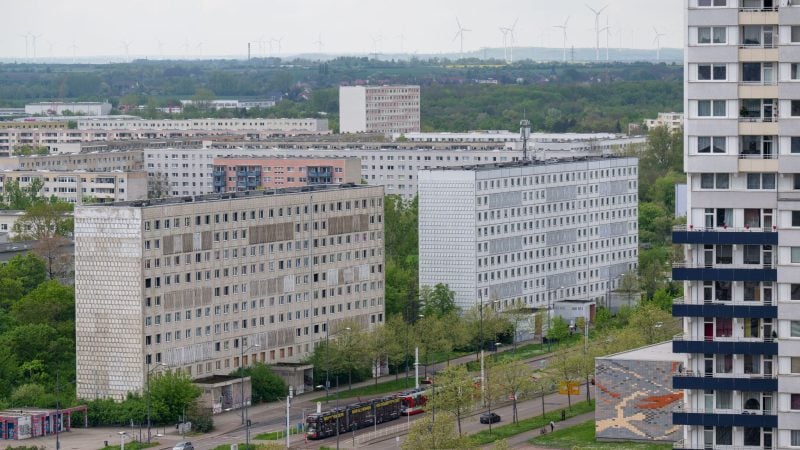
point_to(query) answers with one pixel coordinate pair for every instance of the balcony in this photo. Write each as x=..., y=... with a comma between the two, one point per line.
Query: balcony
x=756, y=236
x=683, y=271
x=725, y=381
x=683, y=415
x=688, y=344
x=724, y=309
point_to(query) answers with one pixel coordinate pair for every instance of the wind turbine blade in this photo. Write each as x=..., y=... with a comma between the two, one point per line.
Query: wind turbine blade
x=515, y=24
x=458, y=22
x=602, y=9
x=456, y=36
x=592, y=9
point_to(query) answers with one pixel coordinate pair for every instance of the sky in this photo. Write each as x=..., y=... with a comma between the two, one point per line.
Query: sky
x=179, y=28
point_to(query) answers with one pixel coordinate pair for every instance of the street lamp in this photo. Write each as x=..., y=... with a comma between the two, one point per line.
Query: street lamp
x=241, y=379
x=149, y=371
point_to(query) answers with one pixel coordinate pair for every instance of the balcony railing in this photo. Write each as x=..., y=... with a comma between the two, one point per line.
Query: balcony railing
x=733, y=339
x=758, y=155
x=734, y=302
x=702, y=374
x=682, y=408
x=723, y=229
x=720, y=265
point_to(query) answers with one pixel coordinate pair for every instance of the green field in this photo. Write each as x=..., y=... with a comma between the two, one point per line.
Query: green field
x=275, y=435
x=582, y=437
x=532, y=423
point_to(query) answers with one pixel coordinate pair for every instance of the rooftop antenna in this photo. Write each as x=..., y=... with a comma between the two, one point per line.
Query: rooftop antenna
x=597, y=30
x=608, y=37
x=524, y=134
x=657, y=42
x=564, y=33
x=460, y=35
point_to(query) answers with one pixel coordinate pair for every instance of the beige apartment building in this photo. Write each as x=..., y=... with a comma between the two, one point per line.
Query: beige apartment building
x=207, y=284
x=80, y=186
x=379, y=109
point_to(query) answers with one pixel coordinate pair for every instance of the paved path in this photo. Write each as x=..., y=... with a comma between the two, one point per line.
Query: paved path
x=521, y=440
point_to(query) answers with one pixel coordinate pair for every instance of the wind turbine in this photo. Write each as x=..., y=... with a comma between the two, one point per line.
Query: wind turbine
x=657, y=42
x=460, y=34
x=564, y=31
x=376, y=45
x=597, y=30
x=25, y=36
x=127, y=46
x=74, y=48
x=50, y=46
x=185, y=46
x=511, y=41
x=33, y=42
x=402, y=38
x=277, y=41
x=608, y=37
x=505, y=31
x=199, y=48
x=319, y=43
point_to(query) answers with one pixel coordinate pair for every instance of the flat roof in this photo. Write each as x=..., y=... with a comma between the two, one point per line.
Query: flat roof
x=655, y=352
x=531, y=162
x=225, y=196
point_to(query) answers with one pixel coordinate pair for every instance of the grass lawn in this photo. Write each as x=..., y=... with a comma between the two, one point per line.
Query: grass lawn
x=582, y=437
x=523, y=352
x=133, y=446
x=275, y=435
x=386, y=387
x=532, y=423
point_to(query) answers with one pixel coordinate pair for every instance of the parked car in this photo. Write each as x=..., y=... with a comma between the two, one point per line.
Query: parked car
x=490, y=418
x=183, y=446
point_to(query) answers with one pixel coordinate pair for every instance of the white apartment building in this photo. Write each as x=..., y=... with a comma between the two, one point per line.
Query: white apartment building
x=189, y=171
x=58, y=108
x=124, y=160
x=379, y=109
x=741, y=272
x=313, y=126
x=80, y=186
x=207, y=284
x=672, y=120
x=531, y=232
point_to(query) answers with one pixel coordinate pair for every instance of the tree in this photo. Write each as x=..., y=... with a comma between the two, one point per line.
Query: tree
x=350, y=349
x=428, y=432
x=56, y=253
x=18, y=197
x=34, y=395
x=559, y=329
x=266, y=386
x=653, y=323
x=511, y=378
x=200, y=416
x=564, y=369
x=28, y=269
x=401, y=350
x=381, y=341
x=202, y=98
x=517, y=315
x=171, y=392
x=455, y=392
x=439, y=302
x=629, y=285
x=50, y=303
x=44, y=220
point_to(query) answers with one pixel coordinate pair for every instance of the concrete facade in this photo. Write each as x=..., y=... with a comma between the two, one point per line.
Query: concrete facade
x=80, y=186
x=742, y=240
x=634, y=395
x=240, y=174
x=528, y=233
x=58, y=108
x=194, y=282
x=379, y=109
x=672, y=120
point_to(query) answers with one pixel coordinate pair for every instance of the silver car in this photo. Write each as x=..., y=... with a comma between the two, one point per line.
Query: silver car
x=183, y=446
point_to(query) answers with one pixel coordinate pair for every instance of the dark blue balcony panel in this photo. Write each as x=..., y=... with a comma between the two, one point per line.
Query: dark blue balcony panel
x=725, y=237
x=725, y=348
x=725, y=420
x=726, y=384
x=716, y=274
x=725, y=311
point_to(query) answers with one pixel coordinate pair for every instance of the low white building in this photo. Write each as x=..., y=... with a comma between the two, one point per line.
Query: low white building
x=58, y=108
x=672, y=120
x=80, y=186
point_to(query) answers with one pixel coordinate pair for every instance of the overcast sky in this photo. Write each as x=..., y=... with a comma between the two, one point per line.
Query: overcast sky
x=223, y=27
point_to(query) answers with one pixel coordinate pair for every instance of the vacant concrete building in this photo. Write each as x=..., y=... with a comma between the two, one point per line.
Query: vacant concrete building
x=71, y=108
x=379, y=109
x=530, y=232
x=80, y=186
x=208, y=284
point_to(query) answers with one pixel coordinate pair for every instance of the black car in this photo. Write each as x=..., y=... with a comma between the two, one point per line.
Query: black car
x=490, y=418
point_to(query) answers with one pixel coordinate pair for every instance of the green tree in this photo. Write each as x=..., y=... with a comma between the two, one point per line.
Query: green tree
x=559, y=329
x=439, y=302
x=513, y=379
x=44, y=220
x=200, y=416
x=171, y=393
x=381, y=343
x=455, y=393
x=32, y=395
x=266, y=386
x=428, y=432
x=653, y=323
x=564, y=369
x=629, y=286
x=50, y=303
x=18, y=197
x=29, y=269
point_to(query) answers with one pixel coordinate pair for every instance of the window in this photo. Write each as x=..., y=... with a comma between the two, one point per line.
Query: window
x=714, y=181
x=794, y=291
x=724, y=435
x=795, y=147
x=794, y=402
x=760, y=181
x=794, y=71
x=724, y=399
x=795, y=112
x=711, y=35
x=796, y=255
x=706, y=144
x=711, y=108
x=709, y=3
x=794, y=328
x=795, y=438
x=795, y=34
x=712, y=72
x=794, y=366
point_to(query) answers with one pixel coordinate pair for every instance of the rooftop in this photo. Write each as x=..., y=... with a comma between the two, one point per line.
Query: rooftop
x=226, y=196
x=516, y=164
x=655, y=352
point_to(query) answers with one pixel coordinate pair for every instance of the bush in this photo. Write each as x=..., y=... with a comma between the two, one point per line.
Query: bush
x=201, y=417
